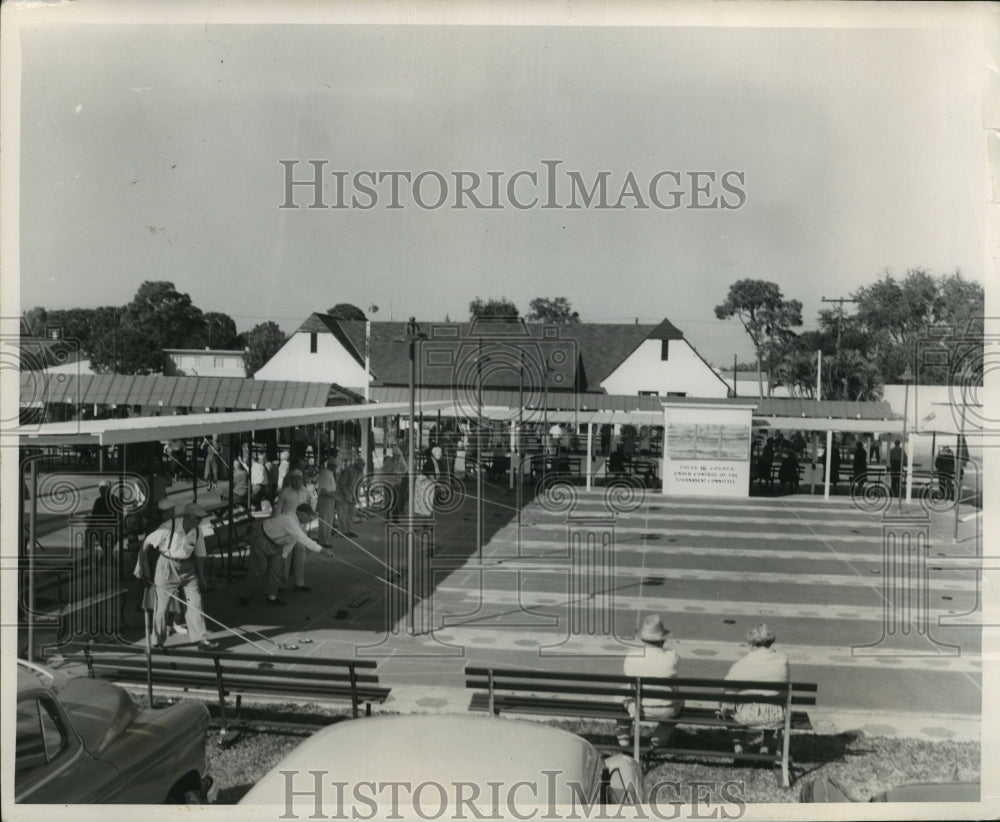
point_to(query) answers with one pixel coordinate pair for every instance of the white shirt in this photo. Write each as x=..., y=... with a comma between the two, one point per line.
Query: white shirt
x=289, y=499
x=326, y=483
x=180, y=545
x=760, y=665
x=655, y=663
x=284, y=529
x=258, y=474
x=283, y=468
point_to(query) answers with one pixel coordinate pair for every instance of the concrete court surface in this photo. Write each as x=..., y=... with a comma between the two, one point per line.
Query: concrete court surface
x=711, y=568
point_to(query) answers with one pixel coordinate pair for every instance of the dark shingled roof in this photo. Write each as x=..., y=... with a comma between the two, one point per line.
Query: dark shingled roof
x=452, y=354
x=579, y=356
x=319, y=323
x=605, y=346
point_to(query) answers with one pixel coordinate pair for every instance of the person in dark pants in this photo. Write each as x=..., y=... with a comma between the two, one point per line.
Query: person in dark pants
x=897, y=462
x=765, y=465
x=788, y=473
x=834, y=462
x=944, y=467
x=859, y=468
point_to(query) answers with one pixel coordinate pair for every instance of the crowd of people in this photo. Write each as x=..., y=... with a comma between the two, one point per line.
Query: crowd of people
x=788, y=454
x=284, y=497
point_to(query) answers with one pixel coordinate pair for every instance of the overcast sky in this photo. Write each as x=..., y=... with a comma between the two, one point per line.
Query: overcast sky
x=151, y=152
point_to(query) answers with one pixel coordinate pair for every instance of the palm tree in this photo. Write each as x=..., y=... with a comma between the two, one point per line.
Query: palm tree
x=797, y=372
x=848, y=375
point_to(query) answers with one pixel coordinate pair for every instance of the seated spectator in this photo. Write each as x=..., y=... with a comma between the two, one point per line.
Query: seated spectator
x=654, y=661
x=761, y=664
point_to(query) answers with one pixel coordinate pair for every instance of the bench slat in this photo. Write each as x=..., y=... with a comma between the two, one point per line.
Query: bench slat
x=224, y=673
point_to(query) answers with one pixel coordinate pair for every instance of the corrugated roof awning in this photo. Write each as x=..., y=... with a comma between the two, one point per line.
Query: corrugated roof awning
x=157, y=391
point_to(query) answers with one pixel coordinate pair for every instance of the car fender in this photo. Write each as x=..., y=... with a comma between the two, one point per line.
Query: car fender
x=624, y=780
x=158, y=749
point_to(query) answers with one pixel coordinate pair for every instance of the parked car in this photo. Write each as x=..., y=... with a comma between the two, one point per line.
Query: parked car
x=83, y=741
x=440, y=763
x=828, y=789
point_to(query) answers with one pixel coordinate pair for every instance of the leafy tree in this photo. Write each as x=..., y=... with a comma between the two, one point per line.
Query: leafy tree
x=556, y=310
x=937, y=318
x=34, y=322
x=77, y=326
x=107, y=340
x=346, y=311
x=131, y=340
x=263, y=342
x=219, y=332
x=766, y=316
x=502, y=309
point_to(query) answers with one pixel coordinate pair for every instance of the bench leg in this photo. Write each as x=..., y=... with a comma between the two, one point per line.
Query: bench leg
x=785, y=776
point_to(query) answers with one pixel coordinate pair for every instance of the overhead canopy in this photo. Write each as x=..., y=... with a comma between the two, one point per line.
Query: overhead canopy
x=822, y=409
x=155, y=390
x=152, y=429
x=466, y=400
x=836, y=424
x=608, y=417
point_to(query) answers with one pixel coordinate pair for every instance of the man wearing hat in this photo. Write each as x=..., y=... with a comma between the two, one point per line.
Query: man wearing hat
x=289, y=499
x=180, y=566
x=271, y=541
x=654, y=661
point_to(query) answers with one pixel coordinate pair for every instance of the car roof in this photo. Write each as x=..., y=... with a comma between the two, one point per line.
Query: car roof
x=32, y=676
x=440, y=748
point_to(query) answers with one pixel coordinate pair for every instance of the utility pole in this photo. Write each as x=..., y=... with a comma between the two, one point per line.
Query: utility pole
x=840, y=314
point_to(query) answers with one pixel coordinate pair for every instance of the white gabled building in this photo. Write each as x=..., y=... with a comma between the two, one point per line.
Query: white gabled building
x=317, y=351
x=661, y=362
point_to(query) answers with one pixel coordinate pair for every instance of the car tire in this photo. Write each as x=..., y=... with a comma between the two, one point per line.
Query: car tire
x=191, y=790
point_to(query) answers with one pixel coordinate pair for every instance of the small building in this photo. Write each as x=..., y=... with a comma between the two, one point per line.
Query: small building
x=207, y=362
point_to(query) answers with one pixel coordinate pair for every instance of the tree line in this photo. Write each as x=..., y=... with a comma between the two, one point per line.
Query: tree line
x=928, y=324
x=921, y=321
x=130, y=339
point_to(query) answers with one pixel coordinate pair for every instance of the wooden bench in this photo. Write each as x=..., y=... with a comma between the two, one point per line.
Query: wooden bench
x=230, y=672
x=602, y=696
